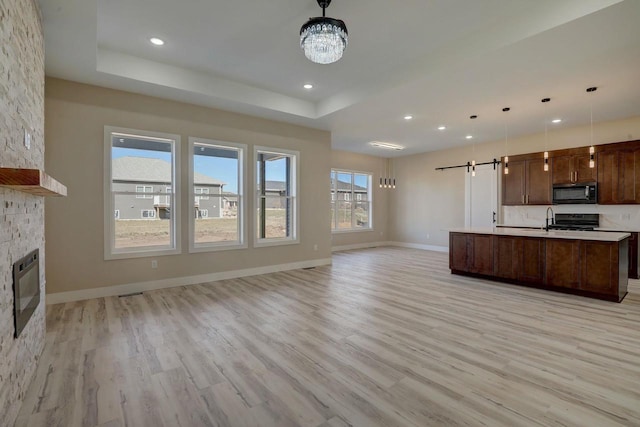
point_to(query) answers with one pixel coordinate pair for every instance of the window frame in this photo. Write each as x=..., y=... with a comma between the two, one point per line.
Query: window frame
x=141, y=194
x=258, y=241
x=110, y=251
x=142, y=211
x=202, y=195
x=241, y=243
x=352, y=200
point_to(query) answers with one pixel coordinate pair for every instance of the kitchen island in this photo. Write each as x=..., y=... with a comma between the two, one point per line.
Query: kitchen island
x=588, y=263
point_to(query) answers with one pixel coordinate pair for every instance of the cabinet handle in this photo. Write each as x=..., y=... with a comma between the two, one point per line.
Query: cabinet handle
x=576, y=177
x=523, y=199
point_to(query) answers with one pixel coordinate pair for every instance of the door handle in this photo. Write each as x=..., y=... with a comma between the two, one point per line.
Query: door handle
x=494, y=217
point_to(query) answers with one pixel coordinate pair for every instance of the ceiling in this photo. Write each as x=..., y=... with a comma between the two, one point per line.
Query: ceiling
x=437, y=60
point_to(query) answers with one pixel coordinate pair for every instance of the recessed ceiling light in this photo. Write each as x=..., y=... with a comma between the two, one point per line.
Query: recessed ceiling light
x=556, y=120
x=408, y=117
x=442, y=127
x=308, y=86
x=156, y=41
x=469, y=136
x=386, y=145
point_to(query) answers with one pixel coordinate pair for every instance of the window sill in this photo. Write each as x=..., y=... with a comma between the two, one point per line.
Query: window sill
x=275, y=242
x=142, y=254
x=351, y=230
x=217, y=248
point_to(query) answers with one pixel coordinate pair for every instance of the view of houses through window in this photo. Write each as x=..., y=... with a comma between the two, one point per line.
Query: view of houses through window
x=216, y=177
x=350, y=200
x=276, y=195
x=143, y=192
x=142, y=175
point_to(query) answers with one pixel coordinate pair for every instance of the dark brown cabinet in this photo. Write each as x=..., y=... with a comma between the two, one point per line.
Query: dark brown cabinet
x=471, y=253
x=527, y=182
x=619, y=176
x=518, y=258
x=592, y=268
x=572, y=168
x=599, y=262
x=562, y=261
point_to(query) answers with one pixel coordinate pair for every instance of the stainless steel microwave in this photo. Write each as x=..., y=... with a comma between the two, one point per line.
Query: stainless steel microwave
x=581, y=193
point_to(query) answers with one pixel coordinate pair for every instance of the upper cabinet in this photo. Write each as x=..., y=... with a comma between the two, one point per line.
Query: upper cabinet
x=619, y=174
x=527, y=183
x=572, y=168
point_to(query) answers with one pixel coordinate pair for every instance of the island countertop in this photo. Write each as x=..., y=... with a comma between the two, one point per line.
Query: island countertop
x=602, y=236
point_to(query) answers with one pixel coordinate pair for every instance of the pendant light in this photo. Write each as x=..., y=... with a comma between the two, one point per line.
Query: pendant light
x=506, y=142
x=592, y=151
x=545, y=101
x=473, y=161
x=388, y=177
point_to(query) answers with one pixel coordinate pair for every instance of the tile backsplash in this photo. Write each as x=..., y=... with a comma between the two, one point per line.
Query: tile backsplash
x=620, y=217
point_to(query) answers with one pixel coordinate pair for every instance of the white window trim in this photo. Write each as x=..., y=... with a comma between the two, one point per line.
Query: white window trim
x=110, y=253
x=141, y=194
x=369, y=201
x=202, y=195
x=242, y=203
x=142, y=211
x=295, y=239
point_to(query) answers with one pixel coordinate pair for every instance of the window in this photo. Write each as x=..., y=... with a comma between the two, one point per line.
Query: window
x=216, y=178
x=144, y=189
x=202, y=191
x=141, y=169
x=147, y=213
x=351, y=209
x=276, y=196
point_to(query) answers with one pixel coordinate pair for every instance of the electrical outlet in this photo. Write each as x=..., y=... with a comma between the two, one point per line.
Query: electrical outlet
x=428, y=236
x=154, y=263
x=315, y=247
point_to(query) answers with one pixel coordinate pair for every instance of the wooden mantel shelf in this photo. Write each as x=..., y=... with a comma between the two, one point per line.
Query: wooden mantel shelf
x=32, y=181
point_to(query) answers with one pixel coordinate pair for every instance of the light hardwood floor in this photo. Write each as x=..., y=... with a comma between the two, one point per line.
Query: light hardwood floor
x=385, y=336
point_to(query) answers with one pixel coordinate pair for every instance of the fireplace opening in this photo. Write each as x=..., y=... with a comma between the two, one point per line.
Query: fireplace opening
x=26, y=289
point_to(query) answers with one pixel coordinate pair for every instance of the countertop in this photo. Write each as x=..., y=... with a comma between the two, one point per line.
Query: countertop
x=621, y=229
x=603, y=236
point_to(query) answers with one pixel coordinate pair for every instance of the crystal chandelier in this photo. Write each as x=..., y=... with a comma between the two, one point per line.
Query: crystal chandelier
x=323, y=39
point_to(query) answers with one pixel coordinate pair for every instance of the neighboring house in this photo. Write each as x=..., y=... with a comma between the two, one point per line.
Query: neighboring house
x=144, y=175
x=360, y=194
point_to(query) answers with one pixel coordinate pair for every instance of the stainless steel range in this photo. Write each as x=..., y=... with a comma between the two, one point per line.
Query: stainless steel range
x=585, y=222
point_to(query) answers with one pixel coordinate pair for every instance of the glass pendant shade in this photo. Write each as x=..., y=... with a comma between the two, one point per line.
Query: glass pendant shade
x=324, y=39
x=546, y=161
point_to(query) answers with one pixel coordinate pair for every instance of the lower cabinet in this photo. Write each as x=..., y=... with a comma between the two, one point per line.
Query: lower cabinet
x=471, y=253
x=562, y=260
x=592, y=268
x=518, y=258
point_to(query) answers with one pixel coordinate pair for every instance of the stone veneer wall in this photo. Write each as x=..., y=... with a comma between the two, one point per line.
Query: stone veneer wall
x=21, y=214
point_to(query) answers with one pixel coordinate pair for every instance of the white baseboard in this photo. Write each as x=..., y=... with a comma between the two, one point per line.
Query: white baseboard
x=420, y=246
x=109, y=291
x=358, y=246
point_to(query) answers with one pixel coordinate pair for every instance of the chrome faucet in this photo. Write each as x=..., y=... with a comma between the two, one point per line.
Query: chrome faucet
x=553, y=221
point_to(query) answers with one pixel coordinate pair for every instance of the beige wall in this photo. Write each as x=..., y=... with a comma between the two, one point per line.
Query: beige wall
x=75, y=118
x=433, y=201
x=374, y=165
x=21, y=214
